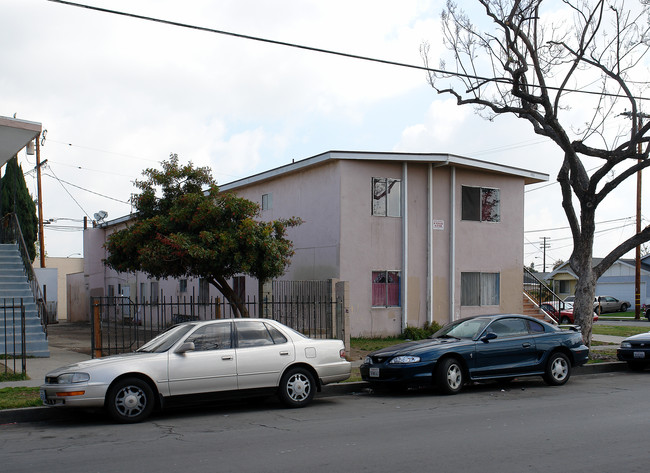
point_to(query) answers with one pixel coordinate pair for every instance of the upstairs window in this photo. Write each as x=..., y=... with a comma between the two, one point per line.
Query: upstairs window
x=481, y=204
x=386, y=197
x=267, y=201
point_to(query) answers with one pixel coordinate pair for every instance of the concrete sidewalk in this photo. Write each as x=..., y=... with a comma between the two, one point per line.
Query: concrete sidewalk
x=68, y=343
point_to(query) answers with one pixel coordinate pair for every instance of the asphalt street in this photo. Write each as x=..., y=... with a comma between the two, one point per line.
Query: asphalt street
x=594, y=423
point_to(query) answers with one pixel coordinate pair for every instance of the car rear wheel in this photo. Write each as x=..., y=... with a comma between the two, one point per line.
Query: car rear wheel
x=297, y=387
x=130, y=400
x=558, y=369
x=450, y=376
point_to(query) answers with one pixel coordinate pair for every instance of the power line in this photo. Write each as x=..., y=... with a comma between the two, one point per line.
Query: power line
x=61, y=181
x=325, y=51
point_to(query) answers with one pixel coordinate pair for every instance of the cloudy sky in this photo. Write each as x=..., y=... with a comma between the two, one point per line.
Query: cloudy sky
x=119, y=94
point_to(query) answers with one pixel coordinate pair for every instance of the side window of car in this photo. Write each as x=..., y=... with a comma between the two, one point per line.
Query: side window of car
x=253, y=334
x=535, y=327
x=509, y=327
x=212, y=337
x=277, y=336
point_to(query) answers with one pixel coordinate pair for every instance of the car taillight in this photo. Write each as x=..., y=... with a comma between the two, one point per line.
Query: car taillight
x=342, y=353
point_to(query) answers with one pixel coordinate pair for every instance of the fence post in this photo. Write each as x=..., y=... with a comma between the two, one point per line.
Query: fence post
x=97, y=335
x=343, y=293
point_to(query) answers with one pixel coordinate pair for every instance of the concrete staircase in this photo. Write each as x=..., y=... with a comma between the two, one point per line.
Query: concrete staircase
x=531, y=309
x=14, y=286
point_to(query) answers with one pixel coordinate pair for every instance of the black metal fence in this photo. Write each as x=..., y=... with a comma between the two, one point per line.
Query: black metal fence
x=122, y=325
x=542, y=295
x=13, y=339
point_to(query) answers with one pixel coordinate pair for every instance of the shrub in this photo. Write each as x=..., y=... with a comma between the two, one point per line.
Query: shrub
x=419, y=333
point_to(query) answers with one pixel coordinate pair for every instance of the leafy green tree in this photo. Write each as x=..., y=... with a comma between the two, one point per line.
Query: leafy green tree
x=187, y=231
x=16, y=198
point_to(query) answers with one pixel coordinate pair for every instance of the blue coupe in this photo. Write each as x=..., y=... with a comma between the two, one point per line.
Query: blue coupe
x=488, y=347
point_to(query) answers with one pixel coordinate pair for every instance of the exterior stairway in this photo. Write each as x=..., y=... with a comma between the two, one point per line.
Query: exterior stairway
x=14, y=286
x=531, y=309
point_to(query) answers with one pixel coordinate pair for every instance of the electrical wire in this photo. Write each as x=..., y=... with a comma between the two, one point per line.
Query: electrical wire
x=326, y=51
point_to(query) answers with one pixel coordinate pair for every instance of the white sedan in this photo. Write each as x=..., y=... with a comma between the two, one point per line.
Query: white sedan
x=236, y=357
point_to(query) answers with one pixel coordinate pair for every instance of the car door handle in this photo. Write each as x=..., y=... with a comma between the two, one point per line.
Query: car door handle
x=526, y=345
x=284, y=353
x=226, y=357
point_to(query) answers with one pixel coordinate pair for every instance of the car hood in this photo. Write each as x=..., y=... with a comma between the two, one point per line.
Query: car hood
x=102, y=362
x=639, y=337
x=419, y=346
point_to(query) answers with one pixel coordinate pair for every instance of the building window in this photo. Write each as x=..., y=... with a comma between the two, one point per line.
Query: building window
x=481, y=204
x=565, y=287
x=385, y=289
x=154, y=292
x=239, y=287
x=182, y=285
x=478, y=289
x=204, y=291
x=386, y=197
x=267, y=201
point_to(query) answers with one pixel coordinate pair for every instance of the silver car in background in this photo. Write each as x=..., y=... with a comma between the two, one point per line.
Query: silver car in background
x=236, y=357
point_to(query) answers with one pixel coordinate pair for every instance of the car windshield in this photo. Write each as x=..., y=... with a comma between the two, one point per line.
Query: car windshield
x=165, y=340
x=469, y=328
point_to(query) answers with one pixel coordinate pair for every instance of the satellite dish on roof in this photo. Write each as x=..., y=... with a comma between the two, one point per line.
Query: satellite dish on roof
x=101, y=215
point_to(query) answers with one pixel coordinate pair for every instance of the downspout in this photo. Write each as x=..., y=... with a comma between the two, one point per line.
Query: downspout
x=405, y=245
x=452, y=243
x=430, y=245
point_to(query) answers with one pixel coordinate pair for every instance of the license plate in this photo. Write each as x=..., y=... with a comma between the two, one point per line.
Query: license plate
x=43, y=397
x=639, y=354
x=374, y=372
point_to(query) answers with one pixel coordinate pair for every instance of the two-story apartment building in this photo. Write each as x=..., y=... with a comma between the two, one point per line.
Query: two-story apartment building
x=419, y=237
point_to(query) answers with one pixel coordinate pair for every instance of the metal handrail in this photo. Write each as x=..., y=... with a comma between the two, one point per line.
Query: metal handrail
x=540, y=294
x=12, y=233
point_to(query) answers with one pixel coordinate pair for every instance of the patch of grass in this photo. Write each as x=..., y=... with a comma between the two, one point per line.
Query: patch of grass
x=11, y=376
x=14, y=398
x=372, y=344
x=618, y=330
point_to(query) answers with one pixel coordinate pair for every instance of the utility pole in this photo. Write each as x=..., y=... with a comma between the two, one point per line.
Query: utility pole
x=41, y=242
x=545, y=245
x=636, y=126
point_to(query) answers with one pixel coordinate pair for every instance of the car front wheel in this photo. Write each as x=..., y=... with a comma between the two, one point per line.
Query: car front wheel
x=565, y=320
x=624, y=307
x=558, y=370
x=297, y=387
x=130, y=400
x=449, y=376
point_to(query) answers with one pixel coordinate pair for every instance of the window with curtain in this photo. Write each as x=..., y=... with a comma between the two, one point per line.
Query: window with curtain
x=385, y=288
x=479, y=289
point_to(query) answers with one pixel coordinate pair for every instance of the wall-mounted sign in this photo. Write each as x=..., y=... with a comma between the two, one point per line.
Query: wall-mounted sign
x=438, y=225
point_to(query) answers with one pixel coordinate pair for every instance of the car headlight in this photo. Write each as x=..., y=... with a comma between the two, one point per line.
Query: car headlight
x=368, y=360
x=71, y=378
x=404, y=359
x=626, y=345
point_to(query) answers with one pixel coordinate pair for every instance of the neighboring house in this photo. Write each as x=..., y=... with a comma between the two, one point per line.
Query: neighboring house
x=56, y=291
x=419, y=237
x=617, y=281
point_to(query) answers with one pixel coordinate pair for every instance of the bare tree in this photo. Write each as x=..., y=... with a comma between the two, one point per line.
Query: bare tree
x=544, y=68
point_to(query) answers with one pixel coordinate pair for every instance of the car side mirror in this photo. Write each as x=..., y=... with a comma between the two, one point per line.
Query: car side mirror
x=185, y=347
x=488, y=336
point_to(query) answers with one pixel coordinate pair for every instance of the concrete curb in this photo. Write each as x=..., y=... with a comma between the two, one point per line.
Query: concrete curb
x=50, y=414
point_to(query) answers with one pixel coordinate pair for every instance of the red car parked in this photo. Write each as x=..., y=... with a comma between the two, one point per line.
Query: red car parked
x=564, y=315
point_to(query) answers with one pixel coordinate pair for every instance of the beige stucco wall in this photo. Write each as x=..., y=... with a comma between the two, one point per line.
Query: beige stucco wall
x=341, y=239
x=64, y=266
